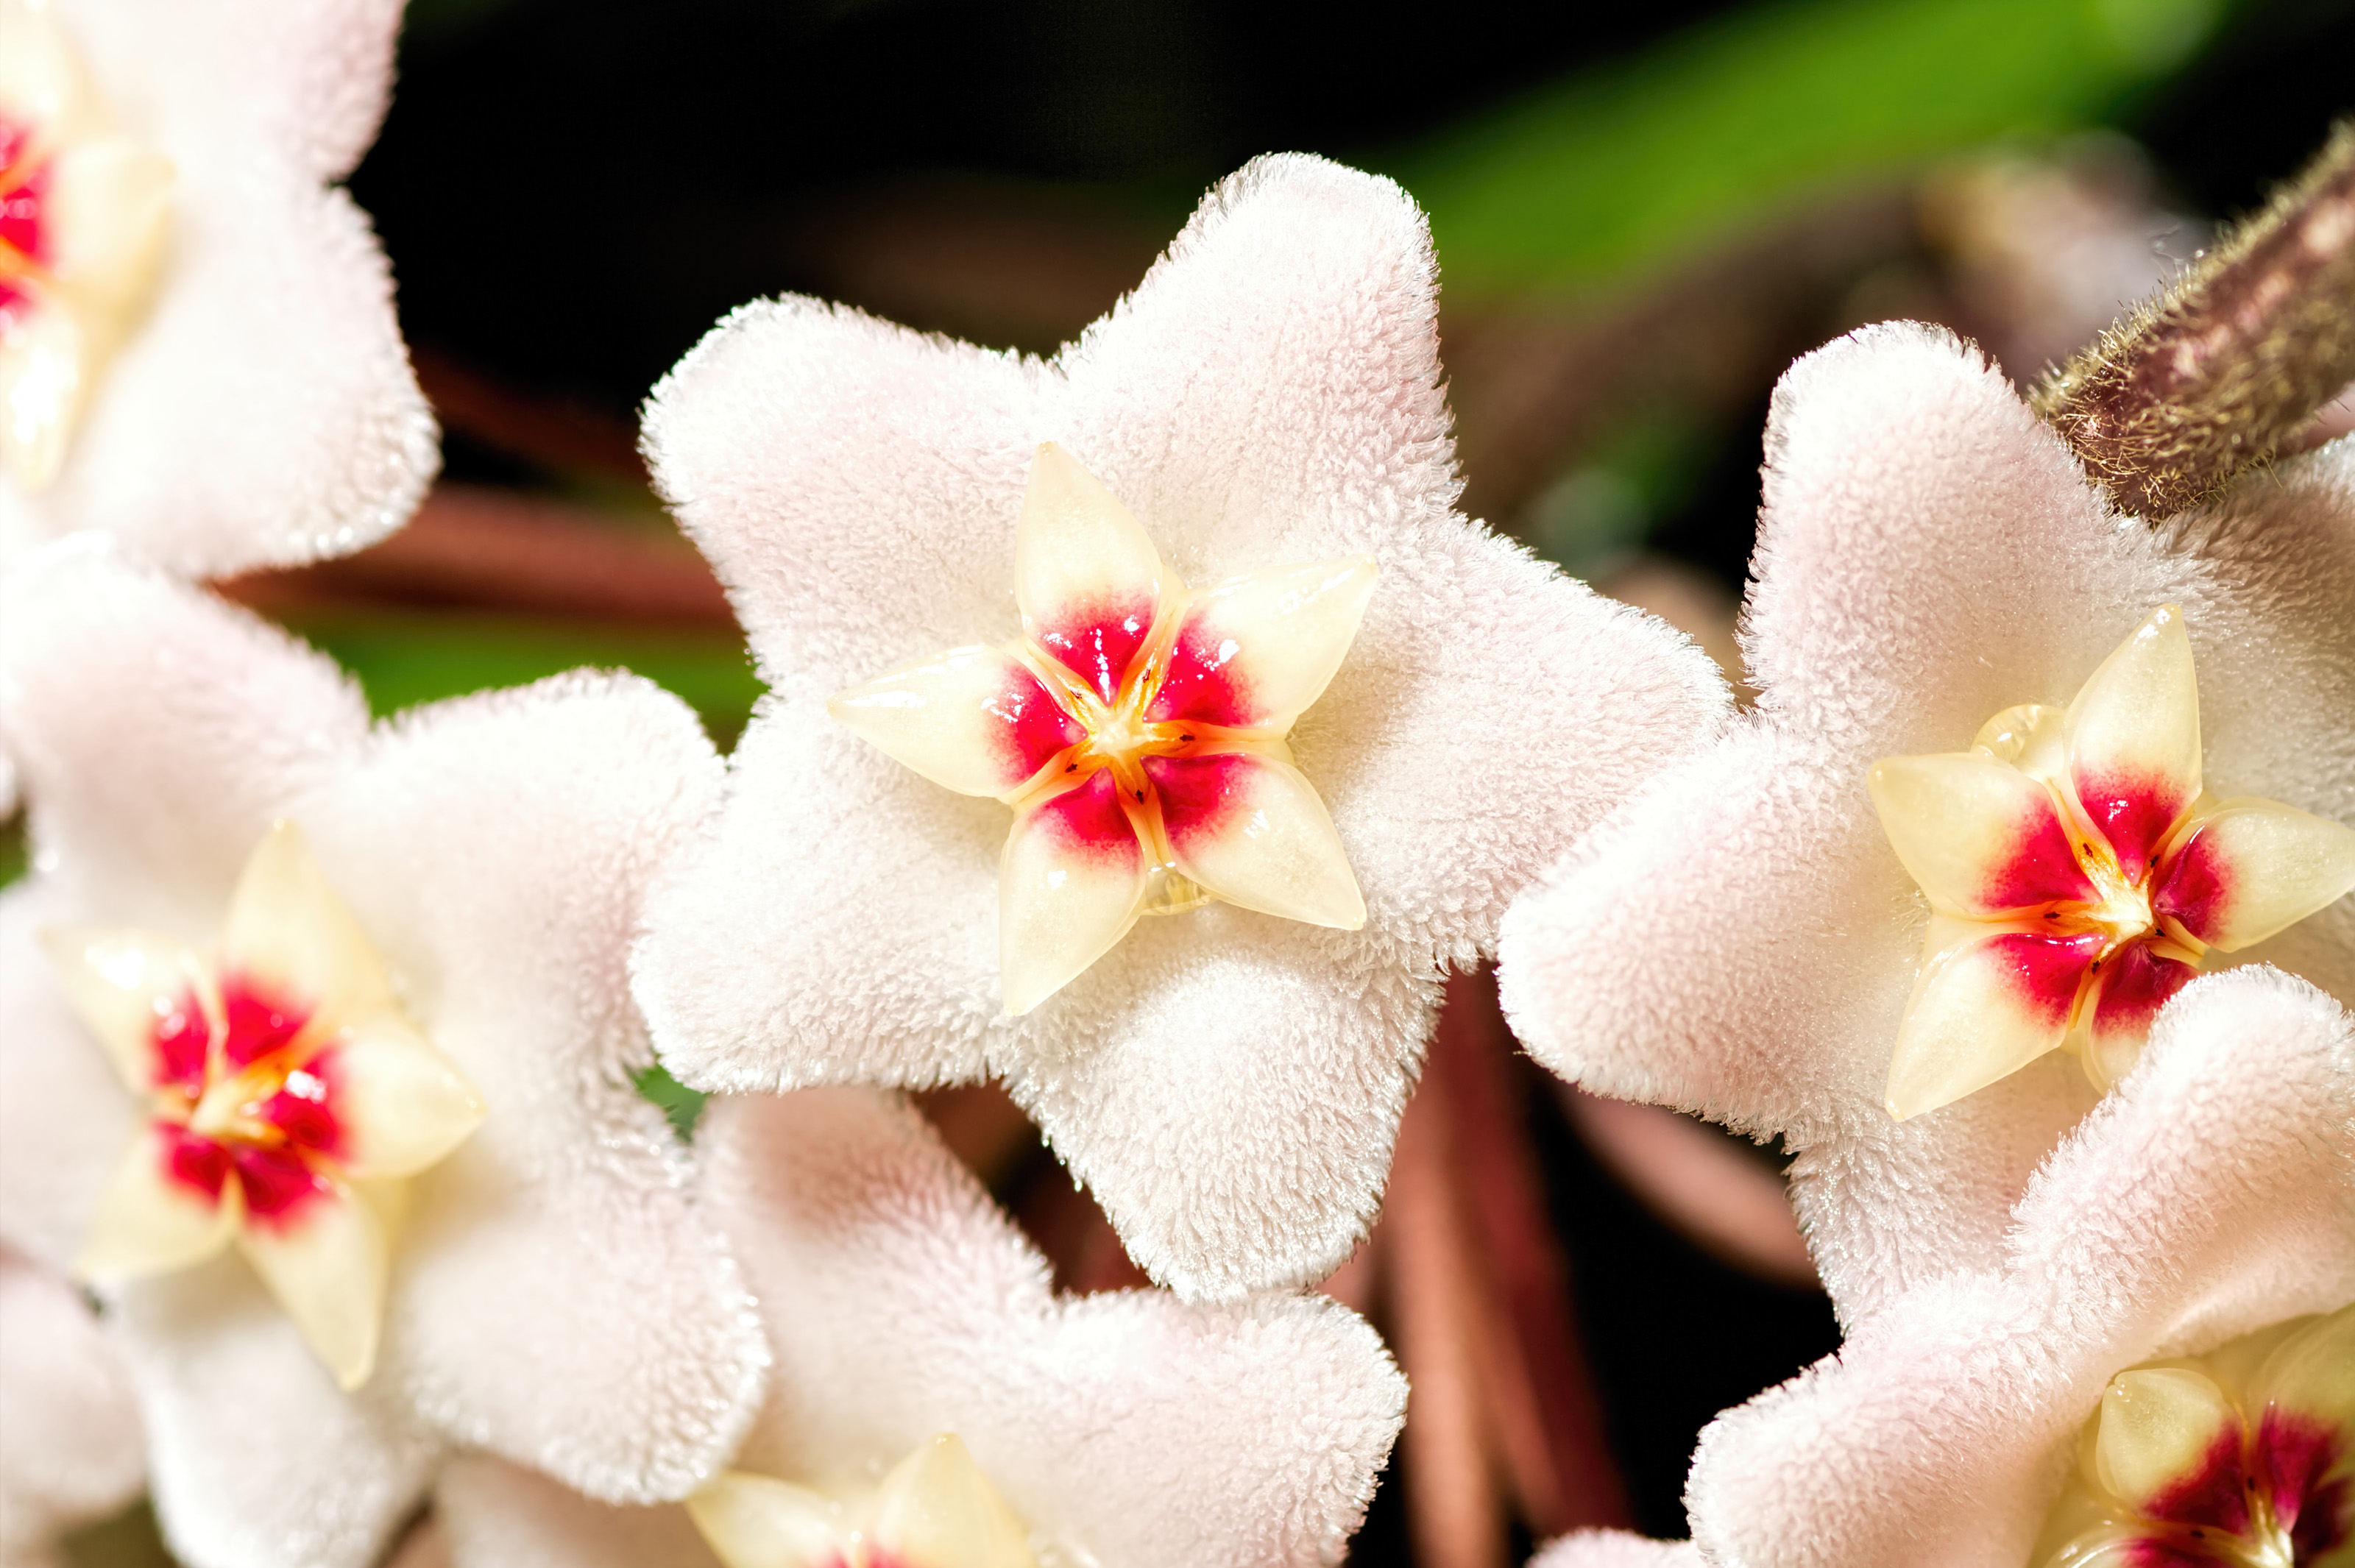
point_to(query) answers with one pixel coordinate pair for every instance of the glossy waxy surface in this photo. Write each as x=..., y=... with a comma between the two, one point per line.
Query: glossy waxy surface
x=285, y=1098
x=1137, y=730
x=2243, y=1458
x=935, y=1510
x=83, y=214
x=2078, y=876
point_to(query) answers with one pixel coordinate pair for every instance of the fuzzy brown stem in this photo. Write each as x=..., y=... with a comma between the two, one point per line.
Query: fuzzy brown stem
x=2230, y=360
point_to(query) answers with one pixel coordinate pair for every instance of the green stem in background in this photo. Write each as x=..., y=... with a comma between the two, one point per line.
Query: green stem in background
x=2228, y=362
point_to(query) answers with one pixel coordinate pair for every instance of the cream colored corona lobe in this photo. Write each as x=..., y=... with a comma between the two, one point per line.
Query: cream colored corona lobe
x=1136, y=728
x=287, y=1100
x=84, y=215
x=2078, y=875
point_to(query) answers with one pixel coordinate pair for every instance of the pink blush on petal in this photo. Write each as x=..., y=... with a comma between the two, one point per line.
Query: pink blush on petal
x=21, y=227
x=259, y=1021
x=278, y=1184
x=1199, y=794
x=1089, y=820
x=303, y=1108
x=2041, y=869
x=2046, y=971
x=2135, y=984
x=1203, y=686
x=2215, y=1495
x=2294, y=1455
x=182, y=1040
x=1099, y=642
x=2133, y=814
x=194, y=1162
x=2196, y=889
x=1036, y=727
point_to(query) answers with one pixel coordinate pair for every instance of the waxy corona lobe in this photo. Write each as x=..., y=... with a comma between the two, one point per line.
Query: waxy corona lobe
x=283, y=1091
x=2078, y=876
x=2241, y=1459
x=83, y=212
x=1137, y=731
x=935, y=1510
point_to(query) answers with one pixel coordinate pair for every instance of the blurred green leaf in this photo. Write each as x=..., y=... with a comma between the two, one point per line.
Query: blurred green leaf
x=682, y=1104
x=1577, y=186
x=405, y=659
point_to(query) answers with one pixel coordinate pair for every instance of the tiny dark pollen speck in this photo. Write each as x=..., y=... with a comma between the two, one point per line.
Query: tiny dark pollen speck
x=1070, y=767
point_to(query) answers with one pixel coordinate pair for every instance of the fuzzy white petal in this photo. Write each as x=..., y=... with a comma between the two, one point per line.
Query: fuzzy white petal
x=2211, y=1194
x=496, y=1515
x=1269, y=395
x=120, y=691
x=65, y=1118
x=262, y=410
x=71, y=1447
x=258, y=1459
x=495, y=853
x=510, y=927
x=1615, y=1549
x=1928, y=557
x=1137, y=1429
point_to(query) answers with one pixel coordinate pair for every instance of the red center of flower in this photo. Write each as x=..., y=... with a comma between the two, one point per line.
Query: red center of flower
x=24, y=242
x=246, y=1104
x=1141, y=744
x=2263, y=1497
x=2121, y=927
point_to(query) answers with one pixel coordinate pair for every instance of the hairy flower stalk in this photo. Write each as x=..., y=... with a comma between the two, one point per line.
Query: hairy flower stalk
x=2212, y=376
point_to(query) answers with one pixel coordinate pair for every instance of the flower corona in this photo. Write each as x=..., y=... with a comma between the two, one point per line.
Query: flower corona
x=2078, y=876
x=1137, y=730
x=284, y=1092
x=935, y=1510
x=2241, y=1459
x=83, y=214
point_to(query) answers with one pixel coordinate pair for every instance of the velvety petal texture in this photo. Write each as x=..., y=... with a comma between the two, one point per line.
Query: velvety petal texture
x=260, y=409
x=1226, y=1080
x=1129, y=1428
x=2210, y=1195
x=494, y=851
x=1615, y=1549
x=71, y=1447
x=1742, y=939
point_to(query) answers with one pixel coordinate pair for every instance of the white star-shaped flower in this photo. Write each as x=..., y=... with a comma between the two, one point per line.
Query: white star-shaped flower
x=1250, y=449
x=2210, y=1197
x=1947, y=615
x=2136, y=1376
x=198, y=346
x=935, y=1404
x=392, y=1066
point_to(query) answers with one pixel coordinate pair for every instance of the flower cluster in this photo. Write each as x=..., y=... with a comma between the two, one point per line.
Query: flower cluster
x=329, y=1201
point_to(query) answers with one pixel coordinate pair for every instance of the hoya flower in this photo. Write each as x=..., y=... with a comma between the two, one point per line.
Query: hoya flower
x=936, y=1406
x=2134, y=1377
x=1414, y=717
x=338, y=1115
x=2147, y=734
x=2077, y=877
x=197, y=347
x=1136, y=729
x=2156, y=1367
x=71, y=1443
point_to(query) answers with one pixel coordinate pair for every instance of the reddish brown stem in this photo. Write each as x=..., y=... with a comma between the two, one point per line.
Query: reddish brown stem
x=1455, y=1515
x=1542, y=1398
x=473, y=547
x=2231, y=361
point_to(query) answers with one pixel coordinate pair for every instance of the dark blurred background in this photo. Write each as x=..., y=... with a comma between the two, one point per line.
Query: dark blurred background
x=1642, y=214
